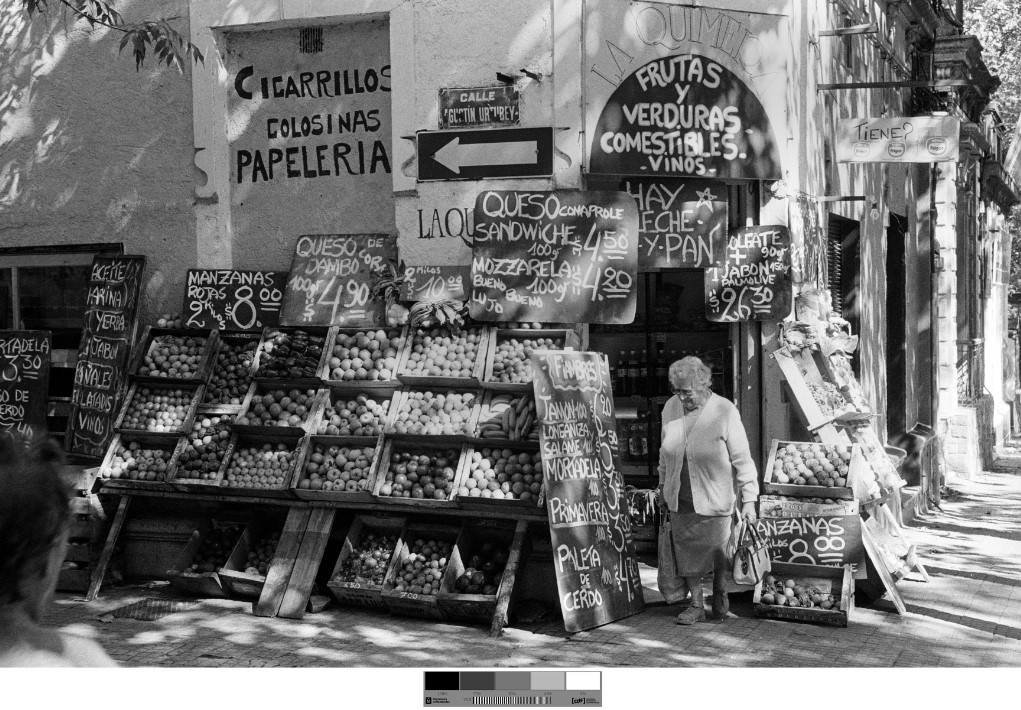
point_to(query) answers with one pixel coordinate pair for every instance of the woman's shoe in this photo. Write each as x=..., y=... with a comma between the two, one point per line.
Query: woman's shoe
x=692, y=615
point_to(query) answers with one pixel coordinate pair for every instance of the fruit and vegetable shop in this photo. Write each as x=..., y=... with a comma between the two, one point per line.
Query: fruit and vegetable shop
x=413, y=353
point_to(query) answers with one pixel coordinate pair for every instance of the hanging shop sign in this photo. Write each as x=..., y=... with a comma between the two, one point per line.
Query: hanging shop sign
x=590, y=524
x=814, y=539
x=753, y=279
x=109, y=329
x=233, y=300
x=682, y=224
x=554, y=257
x=24, y=381
x=676, y=90
x=331, y=279
x=435, y=283
x=479, y=106
x=919, y=139
x=487, y=153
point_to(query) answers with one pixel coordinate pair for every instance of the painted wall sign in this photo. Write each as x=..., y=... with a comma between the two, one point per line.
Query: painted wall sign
x=479, y=106
x=555, y=257
x=753, y=279
x=233, y=300
x=24, y=381
x=682, y=90
x=435, y=283
x=330, y=279
x=487, y=153
x=815, y=539
x=682, y=224
x=919, y=139
x=109, y=330
x=590, y=525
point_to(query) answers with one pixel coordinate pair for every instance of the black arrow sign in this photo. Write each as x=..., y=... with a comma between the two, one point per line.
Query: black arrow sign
x=493, y=153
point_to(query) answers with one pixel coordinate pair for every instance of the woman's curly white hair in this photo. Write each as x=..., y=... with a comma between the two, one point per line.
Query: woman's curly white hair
x=693, y=369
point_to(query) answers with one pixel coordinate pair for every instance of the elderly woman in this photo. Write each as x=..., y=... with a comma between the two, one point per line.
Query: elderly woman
x=704, y=452
x=34, y=516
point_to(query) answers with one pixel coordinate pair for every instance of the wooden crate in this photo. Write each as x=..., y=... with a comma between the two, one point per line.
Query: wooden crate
x=401, y=402
x=196, y=390
x=827, y=579
x=354, y=593
x=424, y=444
x=408, y=603
x=149, y=342
x=164, y=442
x=498, y=335
x=874, y=452
x=431, y=382
x=293, y=439
x=359, y=496
x=769, y=485
x=198, y=485
x=363, y=385
x=260, y=388
x=233, y=577
x=87, y=516
x=478, y=608
x=470, y=502
x=202, y=584
x=306, y=381
x=332, y=393
x=773, y=507
x=233, y=338
x=493, y=438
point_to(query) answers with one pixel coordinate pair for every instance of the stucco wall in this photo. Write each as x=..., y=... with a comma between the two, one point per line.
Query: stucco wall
x=93, y=151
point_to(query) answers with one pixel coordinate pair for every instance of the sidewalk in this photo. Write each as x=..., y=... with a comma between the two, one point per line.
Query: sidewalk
x=968, y=616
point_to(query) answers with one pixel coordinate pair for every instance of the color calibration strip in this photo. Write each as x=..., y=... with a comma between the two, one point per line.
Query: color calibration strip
x=555, y=689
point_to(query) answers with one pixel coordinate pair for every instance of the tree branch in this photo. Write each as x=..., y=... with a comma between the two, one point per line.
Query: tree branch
x=91, y=18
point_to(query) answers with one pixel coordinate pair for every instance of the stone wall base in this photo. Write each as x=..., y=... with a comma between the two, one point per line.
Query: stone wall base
x=970, y=440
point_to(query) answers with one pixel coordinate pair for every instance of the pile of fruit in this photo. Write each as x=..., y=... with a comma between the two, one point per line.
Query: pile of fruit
x=361, y=416
x=157, y=409
x=812, y=465
x=205, y=449
x=261, y=555
x=335, y=468
x=523, y=325
x=439, y=352
x=170, y=320
x=776, y=592
x=215, y=549
x=827, y=395
x=137, y=464
x=279, y=408
x=427, y=475
x=512, y=359
x=266, y=466
x=482, y=575
x=173, y=356
x=503, y=474
x=422, y=567
x=367, y=563
x=365, y=355
x=425, y=413
x=291, y=355
x=232, y=374
x=509, y=416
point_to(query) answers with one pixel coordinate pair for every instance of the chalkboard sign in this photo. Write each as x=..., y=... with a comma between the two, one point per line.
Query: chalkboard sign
x=233, y=300
x=814, y=539
x=24, y=381
x=111, y=307
x=752, y=281
x=554, y=257
x=435, y=283
x=590, y=525
x=331, y=279
x=682, y=224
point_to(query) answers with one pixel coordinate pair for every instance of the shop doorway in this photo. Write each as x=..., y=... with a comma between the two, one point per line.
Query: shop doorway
x=896, y=328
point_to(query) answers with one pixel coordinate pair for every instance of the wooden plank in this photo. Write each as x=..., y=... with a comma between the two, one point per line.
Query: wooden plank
x=884, y=571
x=914, y=562
x=283, y=562
x=111, y=540
x=310, y=555
x=511, y=571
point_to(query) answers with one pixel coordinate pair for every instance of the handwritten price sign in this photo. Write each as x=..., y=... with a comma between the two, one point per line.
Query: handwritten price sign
x=24, y=381
x=753, y=279
x=233, y=300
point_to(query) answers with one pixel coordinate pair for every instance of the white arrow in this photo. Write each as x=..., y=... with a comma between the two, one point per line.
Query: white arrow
x=454, y=156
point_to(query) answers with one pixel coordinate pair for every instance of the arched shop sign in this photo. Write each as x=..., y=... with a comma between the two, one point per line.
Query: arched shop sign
x=685, y=115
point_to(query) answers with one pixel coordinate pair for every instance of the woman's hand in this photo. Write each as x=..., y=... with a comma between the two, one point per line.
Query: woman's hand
x=660, y=500
x=748, y=513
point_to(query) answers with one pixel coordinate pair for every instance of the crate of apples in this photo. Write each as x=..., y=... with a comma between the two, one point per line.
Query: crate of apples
x=158, y=409
x=508, y=416
x=414, y=580
x=363, y=356
x=443, y=354
x=232, y=373
x=498, y=476
x=259, y=468
x=806, y=593
x=330, y=471
x=175, y=356
x=197, y=569
x=365, y=559
x=353, y=415
x=141, y=463
x=290, y=354
x=417, y=473
x=472, y=582
x=204, y=450
x=421, y=413
x=510, y=361
x=277, y=407
x=811, y=469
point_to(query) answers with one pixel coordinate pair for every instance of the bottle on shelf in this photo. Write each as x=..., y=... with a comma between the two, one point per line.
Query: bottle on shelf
x=643, y=374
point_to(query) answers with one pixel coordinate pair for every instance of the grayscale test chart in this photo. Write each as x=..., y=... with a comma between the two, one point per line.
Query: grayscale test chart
x=555, y=689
